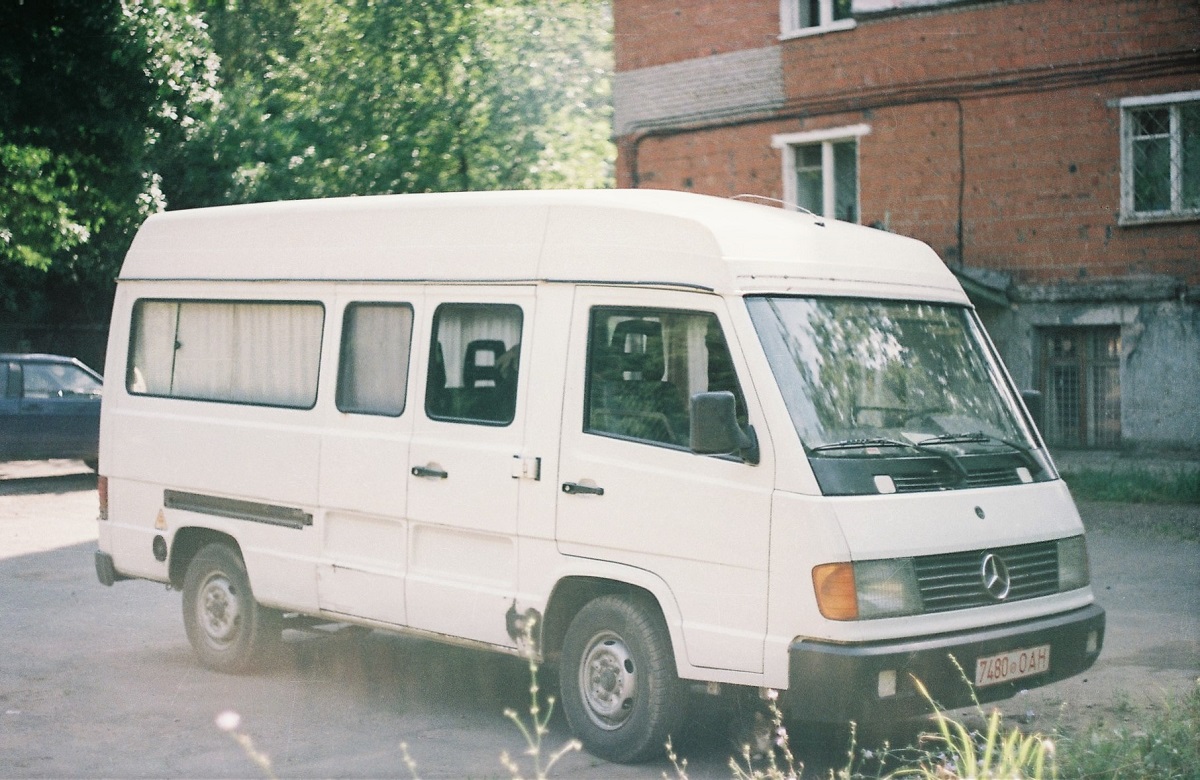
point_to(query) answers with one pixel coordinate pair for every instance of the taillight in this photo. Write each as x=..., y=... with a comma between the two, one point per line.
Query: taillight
x=102, y=492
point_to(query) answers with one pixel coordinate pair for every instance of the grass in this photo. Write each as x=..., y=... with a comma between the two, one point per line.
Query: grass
x=1135, y=486
x=1164, y=746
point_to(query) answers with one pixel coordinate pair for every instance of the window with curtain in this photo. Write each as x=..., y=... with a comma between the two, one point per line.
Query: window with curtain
x=373, y=367
x=263, y=353
x=474, y=359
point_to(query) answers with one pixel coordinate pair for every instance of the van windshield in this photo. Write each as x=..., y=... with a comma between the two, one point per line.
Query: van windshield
x=908, y=381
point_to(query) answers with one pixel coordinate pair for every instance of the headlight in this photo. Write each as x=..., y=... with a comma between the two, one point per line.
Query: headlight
x=867, y=589
x=1072, y=564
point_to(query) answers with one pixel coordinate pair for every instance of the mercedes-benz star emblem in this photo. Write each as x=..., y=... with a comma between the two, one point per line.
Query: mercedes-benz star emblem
x=995, y=577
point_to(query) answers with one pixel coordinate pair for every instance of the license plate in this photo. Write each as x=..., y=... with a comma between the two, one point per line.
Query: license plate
x=1012, y=665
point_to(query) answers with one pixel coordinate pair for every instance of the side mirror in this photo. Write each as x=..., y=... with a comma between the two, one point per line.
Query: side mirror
x=1034, y=403
x=715, y=430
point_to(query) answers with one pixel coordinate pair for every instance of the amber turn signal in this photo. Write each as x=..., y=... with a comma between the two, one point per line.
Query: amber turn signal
x=834, y=585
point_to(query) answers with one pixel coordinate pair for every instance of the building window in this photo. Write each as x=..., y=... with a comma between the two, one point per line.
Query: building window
x=1160, y=157
x=1081, y=383
x=820, y=171
x=808, y=17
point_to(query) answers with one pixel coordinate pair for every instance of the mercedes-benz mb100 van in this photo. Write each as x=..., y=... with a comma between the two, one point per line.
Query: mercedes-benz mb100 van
x=689, y=440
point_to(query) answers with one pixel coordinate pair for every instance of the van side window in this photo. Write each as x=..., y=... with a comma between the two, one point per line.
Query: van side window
x=473, y=361
x=373, y=368
x=264, y=353
x=644, y=365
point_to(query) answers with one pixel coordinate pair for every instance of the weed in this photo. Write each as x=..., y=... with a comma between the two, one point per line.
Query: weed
x=1164, y=746
x=228, y=721
x=536, y=730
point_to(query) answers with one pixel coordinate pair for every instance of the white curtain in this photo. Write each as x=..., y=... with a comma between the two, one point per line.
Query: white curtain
x=255, y=353
x=376, y=341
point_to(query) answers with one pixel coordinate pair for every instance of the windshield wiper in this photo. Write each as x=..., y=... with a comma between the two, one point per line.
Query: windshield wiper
x=860, y=444
x=1027, y=456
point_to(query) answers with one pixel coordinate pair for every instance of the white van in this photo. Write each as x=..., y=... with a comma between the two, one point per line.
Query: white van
x=687, y=439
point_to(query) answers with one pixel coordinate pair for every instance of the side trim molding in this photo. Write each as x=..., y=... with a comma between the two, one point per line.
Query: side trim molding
x=286, y=516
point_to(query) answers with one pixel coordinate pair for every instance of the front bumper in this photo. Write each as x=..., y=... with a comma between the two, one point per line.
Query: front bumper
x=836, y=683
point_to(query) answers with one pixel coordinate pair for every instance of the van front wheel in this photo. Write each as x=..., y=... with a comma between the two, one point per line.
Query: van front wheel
x=229, y=631
x=620, y=691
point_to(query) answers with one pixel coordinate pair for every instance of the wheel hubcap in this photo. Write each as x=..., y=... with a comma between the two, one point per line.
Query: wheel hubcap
x=607, y=681
x=219, y=610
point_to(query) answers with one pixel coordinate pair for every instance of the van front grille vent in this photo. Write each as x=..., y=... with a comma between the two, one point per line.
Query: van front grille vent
x=956, y=580
x=947, y=480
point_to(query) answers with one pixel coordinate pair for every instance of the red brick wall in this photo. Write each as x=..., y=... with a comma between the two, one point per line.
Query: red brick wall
x=1042, y=168
x=986, y=41
x=656, y=32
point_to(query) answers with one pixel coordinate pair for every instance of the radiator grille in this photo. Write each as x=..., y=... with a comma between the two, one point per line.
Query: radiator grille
x=954, y=581
x=946, y=480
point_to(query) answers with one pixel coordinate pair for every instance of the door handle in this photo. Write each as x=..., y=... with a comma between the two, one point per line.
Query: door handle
x=575, y=489
x=429, y=471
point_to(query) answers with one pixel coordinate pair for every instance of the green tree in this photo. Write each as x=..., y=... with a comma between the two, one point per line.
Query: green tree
x=330, y=97
x=96, y=93
x=113, y=109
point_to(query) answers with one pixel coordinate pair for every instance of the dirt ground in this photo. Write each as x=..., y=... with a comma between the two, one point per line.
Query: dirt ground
x=100, y=682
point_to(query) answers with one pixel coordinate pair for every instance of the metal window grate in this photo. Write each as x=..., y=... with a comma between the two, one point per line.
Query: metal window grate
x=1081, y=382
x=1162, y=155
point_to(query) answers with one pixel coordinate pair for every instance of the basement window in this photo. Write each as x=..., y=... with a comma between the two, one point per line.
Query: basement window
x=1160, y=158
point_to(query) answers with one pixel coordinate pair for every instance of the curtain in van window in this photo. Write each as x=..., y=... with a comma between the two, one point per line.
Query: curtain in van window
x=152, y=352
x=460, y=324
x=261, y=353
x=373, y=370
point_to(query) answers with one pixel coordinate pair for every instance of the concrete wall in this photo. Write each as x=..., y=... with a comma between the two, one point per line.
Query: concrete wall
x=1160, y=350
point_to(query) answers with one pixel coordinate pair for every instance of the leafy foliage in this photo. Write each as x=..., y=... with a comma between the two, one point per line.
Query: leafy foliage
x=115, y=109
x=97, y=95
x=401, y=96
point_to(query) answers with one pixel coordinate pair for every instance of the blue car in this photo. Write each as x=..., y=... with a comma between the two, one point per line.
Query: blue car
x=49, y=408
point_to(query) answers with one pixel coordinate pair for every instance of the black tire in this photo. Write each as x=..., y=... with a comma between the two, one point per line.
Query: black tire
x=228, y=629
x=620, y=690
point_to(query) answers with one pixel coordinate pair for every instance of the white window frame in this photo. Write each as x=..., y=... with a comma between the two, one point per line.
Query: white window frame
x=788, y=142
x=1177, y=212
x=789, y=20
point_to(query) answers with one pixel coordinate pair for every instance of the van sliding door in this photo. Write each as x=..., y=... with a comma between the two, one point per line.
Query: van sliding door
x=467, y=443
x=364, y=459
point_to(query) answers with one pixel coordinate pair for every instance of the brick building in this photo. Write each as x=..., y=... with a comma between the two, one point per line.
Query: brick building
x=1049, y=150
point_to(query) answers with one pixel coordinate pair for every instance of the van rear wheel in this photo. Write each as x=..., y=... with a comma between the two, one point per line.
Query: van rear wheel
x=229, y=631
x=620, y=691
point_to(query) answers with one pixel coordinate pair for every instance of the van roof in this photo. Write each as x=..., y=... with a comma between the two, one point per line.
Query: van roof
x=654, y=237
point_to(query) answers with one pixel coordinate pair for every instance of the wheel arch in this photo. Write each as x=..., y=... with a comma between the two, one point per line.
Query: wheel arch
x=571, y=593
x=186, y=543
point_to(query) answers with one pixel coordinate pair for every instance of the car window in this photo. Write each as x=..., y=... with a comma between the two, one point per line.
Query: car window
x=373, y=370
x=473, y=362
x=644, y=366
x=54, y=380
